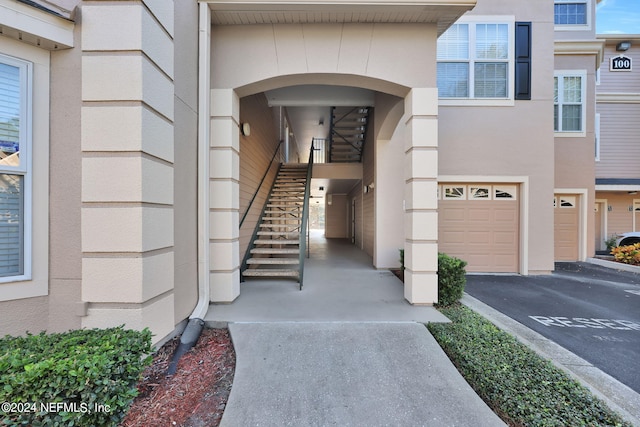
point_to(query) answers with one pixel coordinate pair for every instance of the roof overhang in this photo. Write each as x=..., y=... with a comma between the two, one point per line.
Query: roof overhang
x=35, y=26
x=248, y=12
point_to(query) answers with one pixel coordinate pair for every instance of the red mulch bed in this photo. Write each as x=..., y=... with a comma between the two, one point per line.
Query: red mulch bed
x=198, y=392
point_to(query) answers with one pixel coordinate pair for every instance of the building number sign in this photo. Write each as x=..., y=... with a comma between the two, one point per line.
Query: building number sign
x=620, y=63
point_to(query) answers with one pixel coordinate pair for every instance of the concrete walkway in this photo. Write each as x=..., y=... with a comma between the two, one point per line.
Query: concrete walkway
x=347, y=374
x=347, y=350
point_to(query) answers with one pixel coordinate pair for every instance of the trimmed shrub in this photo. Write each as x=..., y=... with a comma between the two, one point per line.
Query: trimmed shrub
x=451, y=279
x=401, y=259
x=79, y=378
x=629, y=254
x=520, y=386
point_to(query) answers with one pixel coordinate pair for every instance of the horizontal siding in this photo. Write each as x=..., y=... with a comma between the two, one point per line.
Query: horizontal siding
x=256, y=151
x=619, y=218
x=619, y=141
x=619, y=81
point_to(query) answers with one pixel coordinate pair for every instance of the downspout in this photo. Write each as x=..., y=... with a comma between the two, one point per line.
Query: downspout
x=196, y=323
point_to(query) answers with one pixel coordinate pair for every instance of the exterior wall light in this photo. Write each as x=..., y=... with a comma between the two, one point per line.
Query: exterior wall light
x=623, y=46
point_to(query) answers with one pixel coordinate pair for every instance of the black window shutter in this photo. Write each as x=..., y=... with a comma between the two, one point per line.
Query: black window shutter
x=523, y=61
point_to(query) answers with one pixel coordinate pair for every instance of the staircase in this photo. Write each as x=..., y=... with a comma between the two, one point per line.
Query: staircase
x=277, y=249
x=348, y=134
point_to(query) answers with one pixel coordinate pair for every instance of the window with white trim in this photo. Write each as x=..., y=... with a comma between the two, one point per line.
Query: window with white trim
x=475, y=60
x=569, y=89
x=571, y=12
x=15, y=140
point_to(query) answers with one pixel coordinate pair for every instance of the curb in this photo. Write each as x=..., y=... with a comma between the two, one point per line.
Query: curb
x=619, y=397
x=614, y=265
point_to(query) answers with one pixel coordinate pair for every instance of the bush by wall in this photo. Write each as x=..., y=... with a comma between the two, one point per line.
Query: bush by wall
x=451, y=279
x=629, y=254
x=521, y=387
x=79, y=378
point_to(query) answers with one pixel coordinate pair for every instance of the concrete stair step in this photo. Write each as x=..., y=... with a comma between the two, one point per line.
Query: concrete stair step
x=291, y=218
x=279, y=233
x=275, y=251
x=256, y=272
x=276, y=242
x=273, y=261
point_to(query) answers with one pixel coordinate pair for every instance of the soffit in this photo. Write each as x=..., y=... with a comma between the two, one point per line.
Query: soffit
x=241, y=12
x=30, y=23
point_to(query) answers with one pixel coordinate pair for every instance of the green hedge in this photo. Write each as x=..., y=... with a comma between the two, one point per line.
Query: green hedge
x=79, y=378
x=451, y=279
x=520, y=386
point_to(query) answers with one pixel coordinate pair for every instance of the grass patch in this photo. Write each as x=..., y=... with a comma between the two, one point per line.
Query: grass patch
x=520, y=386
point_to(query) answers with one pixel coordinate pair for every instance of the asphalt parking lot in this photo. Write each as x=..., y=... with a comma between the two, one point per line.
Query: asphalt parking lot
x=590, y=310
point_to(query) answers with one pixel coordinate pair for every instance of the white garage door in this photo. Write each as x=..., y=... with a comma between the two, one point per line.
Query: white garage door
x=479, y=223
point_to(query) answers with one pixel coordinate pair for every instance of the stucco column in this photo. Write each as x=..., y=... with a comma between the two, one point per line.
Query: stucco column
x=224, y=185
x=127, y=166
x=421, y=197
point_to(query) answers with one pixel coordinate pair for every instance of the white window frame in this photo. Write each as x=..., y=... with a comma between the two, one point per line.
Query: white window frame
x=34, y=281
x=574, y=27
x=560, y=74
x=472, y=21
x=24, y=167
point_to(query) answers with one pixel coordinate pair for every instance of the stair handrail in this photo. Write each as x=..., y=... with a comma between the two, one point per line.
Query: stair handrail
x=255, y=194
x=305, y=215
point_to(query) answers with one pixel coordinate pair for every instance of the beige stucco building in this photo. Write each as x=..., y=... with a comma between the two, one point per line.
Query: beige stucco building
x=138, y=183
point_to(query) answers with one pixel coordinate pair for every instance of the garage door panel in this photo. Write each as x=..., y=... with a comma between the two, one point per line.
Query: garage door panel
x=566, y=229
x=505, y=215
x=508, y=238
x=481, y=215
x=478, y=237
x=485, y=233
x=453, y=214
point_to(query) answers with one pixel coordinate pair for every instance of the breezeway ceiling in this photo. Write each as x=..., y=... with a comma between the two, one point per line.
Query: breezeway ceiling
x=308, y=108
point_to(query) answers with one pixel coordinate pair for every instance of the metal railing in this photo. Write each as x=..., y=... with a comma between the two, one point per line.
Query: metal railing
x=305, y=217
x=253, y=198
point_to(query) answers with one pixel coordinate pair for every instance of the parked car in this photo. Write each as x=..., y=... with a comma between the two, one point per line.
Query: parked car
x=630, y=238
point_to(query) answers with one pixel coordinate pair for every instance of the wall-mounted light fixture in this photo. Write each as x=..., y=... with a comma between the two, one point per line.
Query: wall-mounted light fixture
x=609, y=208
x=245, y=129
x=623, y=46
x=630, y=208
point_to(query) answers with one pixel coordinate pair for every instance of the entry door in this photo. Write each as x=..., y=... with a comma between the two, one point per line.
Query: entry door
x=566, y=226
x=636, y=215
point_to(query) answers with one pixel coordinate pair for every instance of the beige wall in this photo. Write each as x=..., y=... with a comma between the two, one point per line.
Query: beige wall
x=65, y=256
x=185, y=159
x=619, y=219
x=504, y=141
x=259, y=57
x=256, y=152
x=574, y=156
x=128, y=116
x=389, y=177
x=368, y=199
x=336, y=217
